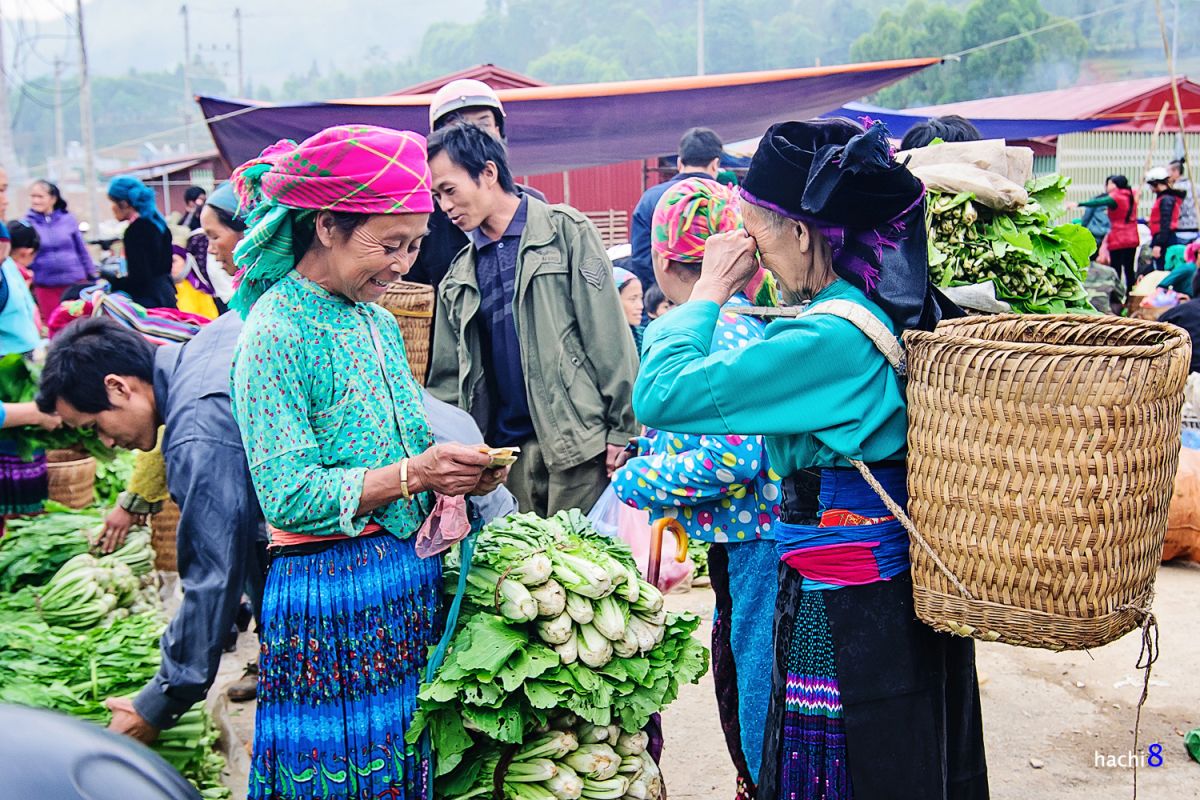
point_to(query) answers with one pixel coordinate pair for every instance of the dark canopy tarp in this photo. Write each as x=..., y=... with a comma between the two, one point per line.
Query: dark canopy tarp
x=552, y=128
x=898, y=123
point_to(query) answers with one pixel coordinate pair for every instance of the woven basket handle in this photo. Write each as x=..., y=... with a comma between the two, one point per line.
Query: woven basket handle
x=888, y=345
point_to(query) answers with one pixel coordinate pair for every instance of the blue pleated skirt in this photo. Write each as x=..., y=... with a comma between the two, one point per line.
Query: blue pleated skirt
x=344, y=637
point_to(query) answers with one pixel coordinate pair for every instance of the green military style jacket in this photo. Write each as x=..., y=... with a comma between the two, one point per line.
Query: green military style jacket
x=576, y=352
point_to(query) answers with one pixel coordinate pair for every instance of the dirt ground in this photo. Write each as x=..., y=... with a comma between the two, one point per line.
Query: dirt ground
x=1051, y=720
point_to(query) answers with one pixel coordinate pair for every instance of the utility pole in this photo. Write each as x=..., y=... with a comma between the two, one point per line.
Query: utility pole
x=59, y=134
x=85, y=122
x=187, y=78
x=241, y=83
x=699, y=37
x=8, y=156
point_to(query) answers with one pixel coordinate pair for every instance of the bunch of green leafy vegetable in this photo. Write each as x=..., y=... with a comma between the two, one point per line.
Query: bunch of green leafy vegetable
x=567, y=760
x=112, y=477
x=76, y=671
x=18, y=384
x=34, y=548
x=1037, y=266
x=556, y=619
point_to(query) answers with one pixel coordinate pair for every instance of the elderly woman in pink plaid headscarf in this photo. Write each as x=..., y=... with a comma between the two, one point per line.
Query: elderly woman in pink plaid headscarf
x=342, y=460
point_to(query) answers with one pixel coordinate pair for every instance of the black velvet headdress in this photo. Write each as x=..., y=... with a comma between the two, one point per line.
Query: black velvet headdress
x=842, y=179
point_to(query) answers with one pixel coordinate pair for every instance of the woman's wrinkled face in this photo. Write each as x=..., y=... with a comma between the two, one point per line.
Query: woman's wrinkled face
x=221, y=239
x=373, y=255
x=780, y=248
x=40, y=199
x=631, y=301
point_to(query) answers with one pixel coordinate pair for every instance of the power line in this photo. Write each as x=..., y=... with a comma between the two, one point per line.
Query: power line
x=1026, y=34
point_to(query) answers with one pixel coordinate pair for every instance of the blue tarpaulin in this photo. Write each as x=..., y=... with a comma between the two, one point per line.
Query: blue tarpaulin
x=899, y=122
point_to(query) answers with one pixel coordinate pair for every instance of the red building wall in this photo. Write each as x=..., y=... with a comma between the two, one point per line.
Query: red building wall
x=615, y=186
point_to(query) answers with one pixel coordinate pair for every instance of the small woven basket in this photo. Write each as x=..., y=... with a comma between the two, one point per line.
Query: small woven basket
x=412, y=306
x=71, y=477
x=163, y=527
x=1042, y=458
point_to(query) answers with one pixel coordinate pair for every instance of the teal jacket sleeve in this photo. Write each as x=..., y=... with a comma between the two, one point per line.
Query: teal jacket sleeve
x=1098, y=202
x=808, y=376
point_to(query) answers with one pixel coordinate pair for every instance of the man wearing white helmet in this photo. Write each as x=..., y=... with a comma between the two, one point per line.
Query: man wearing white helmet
x=459, y=102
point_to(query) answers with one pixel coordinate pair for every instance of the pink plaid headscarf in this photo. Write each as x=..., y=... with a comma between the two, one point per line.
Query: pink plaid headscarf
x=360, y=169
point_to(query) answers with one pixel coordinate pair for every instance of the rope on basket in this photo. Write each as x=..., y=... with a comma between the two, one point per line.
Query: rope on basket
x=1146, y=658
x=902, y=516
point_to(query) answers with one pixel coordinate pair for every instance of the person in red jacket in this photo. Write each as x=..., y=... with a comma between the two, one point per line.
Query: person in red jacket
x=1164, y=217
x=1122, y=239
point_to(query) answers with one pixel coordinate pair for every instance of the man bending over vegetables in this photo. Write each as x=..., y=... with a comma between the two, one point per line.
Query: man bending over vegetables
x=103, y=376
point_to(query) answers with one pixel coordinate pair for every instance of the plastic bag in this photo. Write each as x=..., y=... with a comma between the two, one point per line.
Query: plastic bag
x=445, y=525
x=1183, y=518
x=605, y=514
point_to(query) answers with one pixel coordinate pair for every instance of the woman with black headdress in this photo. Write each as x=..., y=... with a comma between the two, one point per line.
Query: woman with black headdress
x=867, y=702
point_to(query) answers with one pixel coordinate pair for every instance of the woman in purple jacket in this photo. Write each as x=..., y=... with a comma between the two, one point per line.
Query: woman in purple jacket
x=63, y=259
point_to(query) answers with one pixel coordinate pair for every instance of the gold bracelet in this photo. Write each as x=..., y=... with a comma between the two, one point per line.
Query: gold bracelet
x=404, y=479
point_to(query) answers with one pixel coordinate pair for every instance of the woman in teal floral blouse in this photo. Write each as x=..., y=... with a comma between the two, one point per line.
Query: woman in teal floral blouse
x=342, y=460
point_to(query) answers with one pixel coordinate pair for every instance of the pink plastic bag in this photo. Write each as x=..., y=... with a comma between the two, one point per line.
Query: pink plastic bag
x=446, y=524
x=633, y=528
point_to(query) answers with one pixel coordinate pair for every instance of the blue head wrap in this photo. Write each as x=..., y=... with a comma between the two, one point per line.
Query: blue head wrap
x=138, y=195
x=226, y=199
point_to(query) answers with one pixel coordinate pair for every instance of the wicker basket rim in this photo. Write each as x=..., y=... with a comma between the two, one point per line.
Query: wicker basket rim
x=943, y=335
x=59, y=461
x=408, y=287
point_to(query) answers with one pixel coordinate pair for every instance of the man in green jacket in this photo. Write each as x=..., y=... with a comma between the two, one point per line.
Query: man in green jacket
x=529, y=334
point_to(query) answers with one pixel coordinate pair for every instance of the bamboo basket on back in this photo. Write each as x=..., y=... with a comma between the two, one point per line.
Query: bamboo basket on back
x=412, y=306
x=1042, y=456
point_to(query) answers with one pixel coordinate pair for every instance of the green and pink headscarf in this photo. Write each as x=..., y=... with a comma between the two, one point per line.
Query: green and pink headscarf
x=360, y=169
x=691, y=211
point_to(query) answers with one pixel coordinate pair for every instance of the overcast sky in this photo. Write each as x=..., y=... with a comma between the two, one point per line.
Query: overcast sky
x=279, y=38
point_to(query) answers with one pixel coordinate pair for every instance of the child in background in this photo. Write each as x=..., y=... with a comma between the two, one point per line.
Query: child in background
x=656, y=302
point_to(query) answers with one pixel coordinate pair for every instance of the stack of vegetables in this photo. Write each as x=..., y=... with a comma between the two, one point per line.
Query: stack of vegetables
x=560, y=637
x=77, y=628
x=1036, y=266
x=89, y=591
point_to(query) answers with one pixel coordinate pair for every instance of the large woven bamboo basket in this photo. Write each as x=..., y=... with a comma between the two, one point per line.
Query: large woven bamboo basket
x=1042, y=457
x=412, y=305
x=163, y=527
x=71, y=477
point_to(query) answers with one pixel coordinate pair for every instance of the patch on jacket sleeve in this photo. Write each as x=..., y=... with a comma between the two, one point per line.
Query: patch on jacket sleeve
x=595, y=271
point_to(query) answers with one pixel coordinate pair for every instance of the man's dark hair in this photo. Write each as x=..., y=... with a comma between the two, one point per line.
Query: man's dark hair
x=192, y=194
x=950, y=128
x=699, y=147
x=471, y=148
x=79, y=358
x=458, y=117
x=22, y=234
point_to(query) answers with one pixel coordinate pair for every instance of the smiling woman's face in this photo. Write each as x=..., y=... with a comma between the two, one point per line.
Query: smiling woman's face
x=378, y=252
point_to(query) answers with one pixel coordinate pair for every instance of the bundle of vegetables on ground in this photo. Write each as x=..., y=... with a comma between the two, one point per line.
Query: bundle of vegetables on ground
x=568, y=759
x=556, y=620
x=88, y=590
x=75, y=671
x=1037, y=267
x=33, y=548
